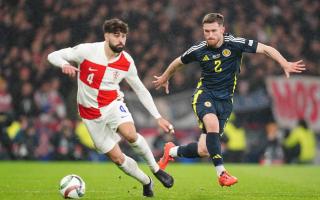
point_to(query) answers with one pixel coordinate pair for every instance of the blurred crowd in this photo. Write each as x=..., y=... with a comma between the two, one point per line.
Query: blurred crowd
x=42, y=101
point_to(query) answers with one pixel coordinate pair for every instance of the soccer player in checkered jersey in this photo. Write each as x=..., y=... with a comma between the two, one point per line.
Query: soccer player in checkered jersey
x=101, y=66
x=219, y=57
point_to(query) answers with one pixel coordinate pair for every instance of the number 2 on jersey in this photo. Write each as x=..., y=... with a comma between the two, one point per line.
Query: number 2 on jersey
x=217, y=67
x=90, y=78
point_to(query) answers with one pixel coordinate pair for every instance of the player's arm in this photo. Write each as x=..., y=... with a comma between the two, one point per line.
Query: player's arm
x=146, y=99
x=163, y=80
x=63, y=57
x=288, y=67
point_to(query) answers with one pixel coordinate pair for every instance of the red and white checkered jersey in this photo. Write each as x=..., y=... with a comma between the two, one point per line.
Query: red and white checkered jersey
x=99, y=77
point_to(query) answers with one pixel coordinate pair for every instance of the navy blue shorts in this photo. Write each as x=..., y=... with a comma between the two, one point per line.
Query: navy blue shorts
x=204, y=103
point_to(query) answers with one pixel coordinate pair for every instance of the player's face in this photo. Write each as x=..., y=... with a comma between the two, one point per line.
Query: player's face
x=116, y=41
x=213, y=33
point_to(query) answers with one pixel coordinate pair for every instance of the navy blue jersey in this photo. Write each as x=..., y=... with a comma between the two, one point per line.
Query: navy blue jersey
x=220, y=66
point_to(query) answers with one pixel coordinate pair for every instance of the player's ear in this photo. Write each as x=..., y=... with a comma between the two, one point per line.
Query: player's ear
x=222, y=29
x=106, y=37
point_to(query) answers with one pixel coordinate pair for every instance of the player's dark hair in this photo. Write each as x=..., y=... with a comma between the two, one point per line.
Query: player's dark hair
x=115, y=25
x=213, y=17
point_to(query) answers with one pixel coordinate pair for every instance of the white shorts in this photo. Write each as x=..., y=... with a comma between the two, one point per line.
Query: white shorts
x=103, y=130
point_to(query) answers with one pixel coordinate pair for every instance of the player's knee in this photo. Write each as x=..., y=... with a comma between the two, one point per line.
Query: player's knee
x=131, y=137
x=118, y=160
x=211, y=123
x=128, y=131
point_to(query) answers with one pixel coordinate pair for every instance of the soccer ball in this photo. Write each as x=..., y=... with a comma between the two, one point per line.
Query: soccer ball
x=72, y=187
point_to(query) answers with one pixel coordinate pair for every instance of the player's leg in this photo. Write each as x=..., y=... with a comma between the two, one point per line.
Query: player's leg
x=191, y=150
x=141, y=147
x=106, y=142
x=121, y=121
x=202, y=146
x=214, y=127
x=127, y=164
x=138, y=144
x=213, y=144
x=130, y=167
x=207, y=109
x=186, y=151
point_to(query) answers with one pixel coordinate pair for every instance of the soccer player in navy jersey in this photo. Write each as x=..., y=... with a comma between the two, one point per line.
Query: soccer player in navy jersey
x=219, y=57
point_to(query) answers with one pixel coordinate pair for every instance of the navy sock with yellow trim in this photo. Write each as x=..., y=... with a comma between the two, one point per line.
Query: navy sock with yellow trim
x=214, y=148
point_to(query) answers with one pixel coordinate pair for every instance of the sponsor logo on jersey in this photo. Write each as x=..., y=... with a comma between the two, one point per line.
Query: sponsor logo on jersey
x=226, y=52
x=207, y=104
x=216, y=56
x=205, y=58
x=92, y=69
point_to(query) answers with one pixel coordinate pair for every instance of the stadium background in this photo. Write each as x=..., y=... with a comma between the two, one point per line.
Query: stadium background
x=37, y=103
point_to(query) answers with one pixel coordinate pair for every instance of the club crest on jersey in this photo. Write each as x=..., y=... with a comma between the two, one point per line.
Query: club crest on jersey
x=115, y=75
x=226, y=52
x=207, y=104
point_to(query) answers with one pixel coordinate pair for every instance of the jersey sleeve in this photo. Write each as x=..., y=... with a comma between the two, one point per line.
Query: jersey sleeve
x=244, y=45
x=188, y=56
x=250, y=46
x=142, y=92
x=67, y=55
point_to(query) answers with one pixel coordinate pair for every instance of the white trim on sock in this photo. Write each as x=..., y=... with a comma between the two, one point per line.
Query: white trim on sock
x=220, y=169
x=174, y=151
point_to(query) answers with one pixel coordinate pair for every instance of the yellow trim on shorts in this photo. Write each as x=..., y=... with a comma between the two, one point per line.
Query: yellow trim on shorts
x=235, y=78
x=199, y=83
x=234, y=83
x=194, y=102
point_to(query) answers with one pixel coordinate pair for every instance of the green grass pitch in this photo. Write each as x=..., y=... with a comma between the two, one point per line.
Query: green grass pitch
x=40, y=180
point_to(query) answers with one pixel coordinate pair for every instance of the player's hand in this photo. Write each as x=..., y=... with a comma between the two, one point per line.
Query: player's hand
x=293, y=67
x=161, y=81
x=165, y=125
x=69, y=70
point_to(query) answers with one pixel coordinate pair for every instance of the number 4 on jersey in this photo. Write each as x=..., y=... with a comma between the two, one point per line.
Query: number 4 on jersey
x=90, y=78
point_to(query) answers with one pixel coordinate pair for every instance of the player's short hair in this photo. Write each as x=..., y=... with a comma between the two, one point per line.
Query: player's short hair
x=115, y=25
x=213, y=17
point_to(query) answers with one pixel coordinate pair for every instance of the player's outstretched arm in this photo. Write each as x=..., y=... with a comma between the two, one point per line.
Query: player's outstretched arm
x=288, y=67
x=163, y=80
x=61, y=59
